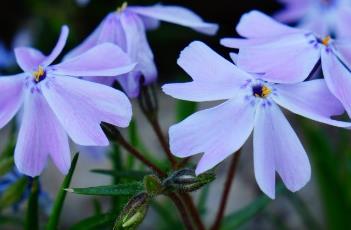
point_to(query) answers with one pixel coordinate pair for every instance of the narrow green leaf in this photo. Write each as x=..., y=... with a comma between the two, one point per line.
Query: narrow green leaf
x=10, y=220
x=32, y=217
x=60, y=198
x=14, y=193
x=134, y=140
x=184, y=109
x=302, y=209
x=130, y=174
x=326, y=169
x=6, y=165
x=236, y=219
x=126, y=189
x=95, y=222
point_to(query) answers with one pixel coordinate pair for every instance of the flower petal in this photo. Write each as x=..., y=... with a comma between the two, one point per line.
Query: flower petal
x=82, y=105
x=103, y=60
x=40, y=135
x=277, y=148
x=287, y=60
x=255, y=24
x=58, y=48
x=311, y=99
x=338, y=78
x=217, y=132
x=215, y=78
x=28, y=58
x=178, y=15
x=12, y=89
x=138, y=47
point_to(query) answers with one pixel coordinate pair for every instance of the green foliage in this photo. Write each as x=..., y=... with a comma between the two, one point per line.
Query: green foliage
x=184, y=109
x=326, y=167
x=14, y=193
x=60, y=197
x=6, y=164
x=32, y=217
x=125, y=174
x=239, y=218
x=100, y=221
x=152, y=185
x=126, y=189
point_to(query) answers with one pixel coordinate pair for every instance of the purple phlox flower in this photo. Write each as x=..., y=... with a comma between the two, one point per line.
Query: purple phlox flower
x=320, y=16
x=6, y=57
x=58, y=105
x=251, y=105
x=12, y=177
x=287, y=55
x=126, y=28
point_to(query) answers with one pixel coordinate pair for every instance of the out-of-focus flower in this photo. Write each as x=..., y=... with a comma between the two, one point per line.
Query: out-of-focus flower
x=287, y=55
x=126, y=28
x=56, y=103
x=252, y=104
x=6, y=57
x=323, y=17
x=82, y=3
x=12, y=177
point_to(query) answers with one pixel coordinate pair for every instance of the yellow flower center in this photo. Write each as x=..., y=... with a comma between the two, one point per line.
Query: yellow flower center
x=326, y=40
x=261, y=91
x=38, y=75
x=122, y=7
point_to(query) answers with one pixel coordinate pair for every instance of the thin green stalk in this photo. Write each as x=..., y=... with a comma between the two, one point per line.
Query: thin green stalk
x=32, y=217
x=60, y=198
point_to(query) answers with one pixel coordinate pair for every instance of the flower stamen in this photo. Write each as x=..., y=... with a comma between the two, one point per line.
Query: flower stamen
x=122, y=7
x=39, y=74
x=261, y=91
x=326, y=40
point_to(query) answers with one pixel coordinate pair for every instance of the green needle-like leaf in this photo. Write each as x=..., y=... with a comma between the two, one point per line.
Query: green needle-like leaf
x=126, y=189
x=60, y=198
x=32, y=217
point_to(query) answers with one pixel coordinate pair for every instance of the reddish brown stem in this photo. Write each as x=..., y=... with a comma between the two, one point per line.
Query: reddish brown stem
x=227, y=187
x=163, y=141
x=182, y=210
x=193, y=211
x=120, y=139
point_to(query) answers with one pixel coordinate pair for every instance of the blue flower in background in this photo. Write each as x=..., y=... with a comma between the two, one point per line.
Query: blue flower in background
x=12, y=177
x=6, y=57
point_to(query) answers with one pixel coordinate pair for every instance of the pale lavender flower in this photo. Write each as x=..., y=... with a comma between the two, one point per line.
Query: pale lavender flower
x=287, y=55
x=251, y=104
x=323, y=17
x=126, y=28
x=58, y=105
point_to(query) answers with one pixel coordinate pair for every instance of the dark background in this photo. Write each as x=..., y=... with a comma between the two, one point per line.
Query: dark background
x=44, y=18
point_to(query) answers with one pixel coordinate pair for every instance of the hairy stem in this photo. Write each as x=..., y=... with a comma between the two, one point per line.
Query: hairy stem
x=227, y=187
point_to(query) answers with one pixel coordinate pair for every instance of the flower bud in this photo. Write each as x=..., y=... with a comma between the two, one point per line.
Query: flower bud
x=185, y=180
x=133, y=213
x=152, y=185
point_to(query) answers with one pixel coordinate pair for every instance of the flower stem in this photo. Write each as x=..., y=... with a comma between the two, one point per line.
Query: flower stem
x=163, y=141
x=32, y=218
x=182, y=210
x=120, y=139
x=226, y=191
